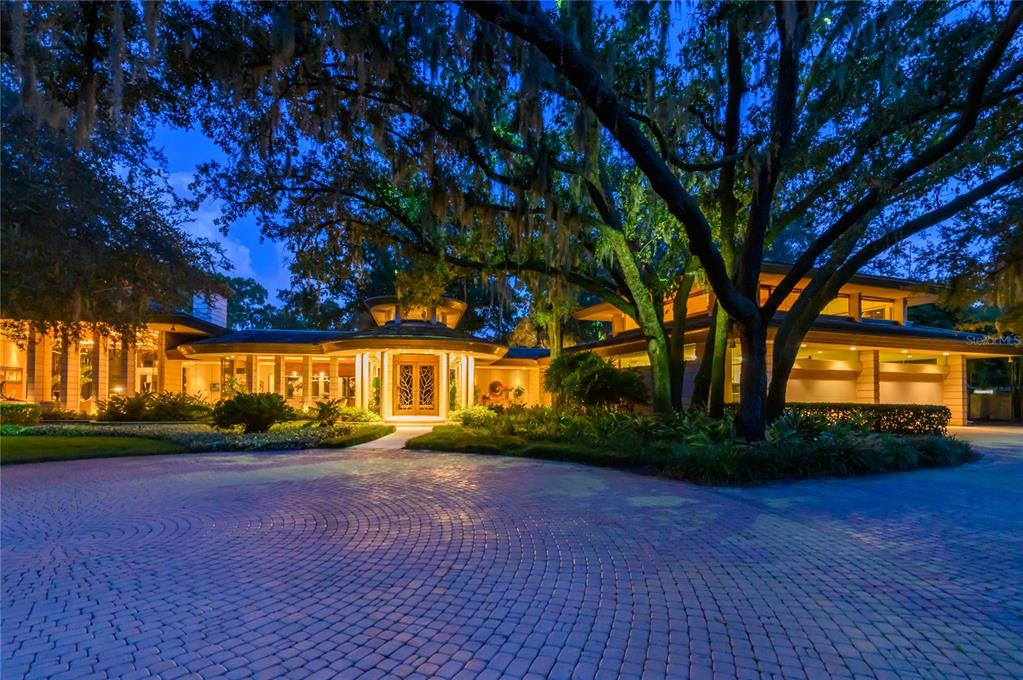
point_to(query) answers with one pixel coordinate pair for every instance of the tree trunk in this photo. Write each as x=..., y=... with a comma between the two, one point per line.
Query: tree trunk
x=676, y=353
x=786, y=349
x=750, y=421
x=716, y=405
x=660, y=373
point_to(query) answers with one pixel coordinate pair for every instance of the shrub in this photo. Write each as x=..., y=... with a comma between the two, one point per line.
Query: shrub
x=354, y=414
x=583, y=380
x=19, y=413
x=474, y=416
x=327, y=412
x=54, y=412
x=893, y=418
x=176, y=406
x=254, y=412
x=123, y=408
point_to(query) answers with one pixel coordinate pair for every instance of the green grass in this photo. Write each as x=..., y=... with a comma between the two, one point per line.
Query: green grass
x=460, y=439
x=39, y=448
x=360, y=434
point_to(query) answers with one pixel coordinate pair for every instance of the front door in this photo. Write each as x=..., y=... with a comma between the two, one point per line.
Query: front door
x=415, y=386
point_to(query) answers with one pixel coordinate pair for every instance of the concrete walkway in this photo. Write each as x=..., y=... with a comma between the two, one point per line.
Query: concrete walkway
x=379, y=563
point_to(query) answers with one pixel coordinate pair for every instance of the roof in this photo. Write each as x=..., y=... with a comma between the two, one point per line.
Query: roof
x=527, y=353
x=419, y=333
x=838, y=324
x=862, y=279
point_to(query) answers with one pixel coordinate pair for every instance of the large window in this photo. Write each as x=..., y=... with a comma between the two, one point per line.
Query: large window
x=837, y=307
x=877, y=308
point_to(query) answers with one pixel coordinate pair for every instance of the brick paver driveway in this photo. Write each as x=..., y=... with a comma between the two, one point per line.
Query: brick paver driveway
x=378, y=563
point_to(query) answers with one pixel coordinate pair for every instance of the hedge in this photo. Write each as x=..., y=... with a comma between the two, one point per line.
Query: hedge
x=892, y=418
x=19, y=413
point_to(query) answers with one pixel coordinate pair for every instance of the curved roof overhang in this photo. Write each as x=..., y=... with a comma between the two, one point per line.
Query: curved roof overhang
x=479, y=349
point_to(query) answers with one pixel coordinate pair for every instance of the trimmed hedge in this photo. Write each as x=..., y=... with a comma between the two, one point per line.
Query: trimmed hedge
x=19, y=413
x=891, y=418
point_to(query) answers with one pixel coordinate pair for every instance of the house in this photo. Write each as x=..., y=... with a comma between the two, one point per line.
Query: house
x=414, y=365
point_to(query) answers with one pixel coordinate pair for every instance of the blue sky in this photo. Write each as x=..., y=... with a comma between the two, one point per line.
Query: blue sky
x=265, y=261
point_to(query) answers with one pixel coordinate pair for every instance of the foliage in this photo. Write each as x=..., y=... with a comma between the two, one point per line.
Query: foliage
x=327, y=412
x=153, y=406
x=202, y=438
x=893, y=418
x=52, y=411
x=177, y=406
x=473, y=416
x=91, y=227
x=584, y=380
x=125, y=407
x=698, y=448
x=354, y=414
x=39, y=448
x=19, y=413
x=254, y=412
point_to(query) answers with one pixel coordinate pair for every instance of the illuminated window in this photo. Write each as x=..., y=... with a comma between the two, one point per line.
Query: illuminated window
x=837, y=307
x=689, y=352
x=877, y=308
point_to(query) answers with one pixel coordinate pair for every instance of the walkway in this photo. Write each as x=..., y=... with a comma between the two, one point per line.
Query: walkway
x=383, y=563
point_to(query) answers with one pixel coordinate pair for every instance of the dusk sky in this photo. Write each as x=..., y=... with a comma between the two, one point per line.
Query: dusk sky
x=262, y=260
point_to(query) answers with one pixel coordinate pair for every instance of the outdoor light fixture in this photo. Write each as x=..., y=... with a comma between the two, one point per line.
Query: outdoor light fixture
x=852, y=349
x=904, y=351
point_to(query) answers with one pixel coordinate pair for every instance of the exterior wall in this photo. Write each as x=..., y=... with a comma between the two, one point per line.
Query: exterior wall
x=911, y=392
x=526, y=377
x=821, y=389
x=954, y=391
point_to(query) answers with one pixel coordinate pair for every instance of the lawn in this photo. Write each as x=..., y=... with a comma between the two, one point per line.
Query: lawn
x=39, y=448
x=360, y=434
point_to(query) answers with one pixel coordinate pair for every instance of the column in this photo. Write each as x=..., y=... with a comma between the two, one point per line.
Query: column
x=868, y=382
x=360, y=383
x=385, y=385
x=38, y=367
x=470, y=376
x=954, y=391
x=333, y=380
x=251, y=379
x=100, y=367
x=307, y=382
x=855, y=309
x=278, y=386
x=444, y=386
x=464, y=381
x=127, y=359
x=70, y=377
x=768, y=361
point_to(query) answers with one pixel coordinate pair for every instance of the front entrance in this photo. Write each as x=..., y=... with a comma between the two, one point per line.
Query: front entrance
x=415, y=386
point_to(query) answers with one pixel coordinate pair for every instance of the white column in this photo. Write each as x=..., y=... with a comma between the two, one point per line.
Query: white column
x=128, y=368
x=360, y=383
x=385, y=385
x=445, y=386
x=470, y=387
x=307, y=381
x=100, y=368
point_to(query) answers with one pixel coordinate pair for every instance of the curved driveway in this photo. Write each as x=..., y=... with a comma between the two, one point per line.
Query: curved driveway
x=384, y=563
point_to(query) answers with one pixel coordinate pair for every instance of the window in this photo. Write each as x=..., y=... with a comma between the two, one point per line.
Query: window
x=837, y=307
x=877, y=308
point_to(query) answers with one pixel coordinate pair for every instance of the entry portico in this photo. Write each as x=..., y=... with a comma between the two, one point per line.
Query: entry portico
x=409, y=367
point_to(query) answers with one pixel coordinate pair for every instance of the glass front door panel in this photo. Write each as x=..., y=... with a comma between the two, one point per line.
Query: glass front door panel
x=415, y=386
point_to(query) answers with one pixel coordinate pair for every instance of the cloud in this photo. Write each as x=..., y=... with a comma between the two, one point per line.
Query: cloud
x=272, y=271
